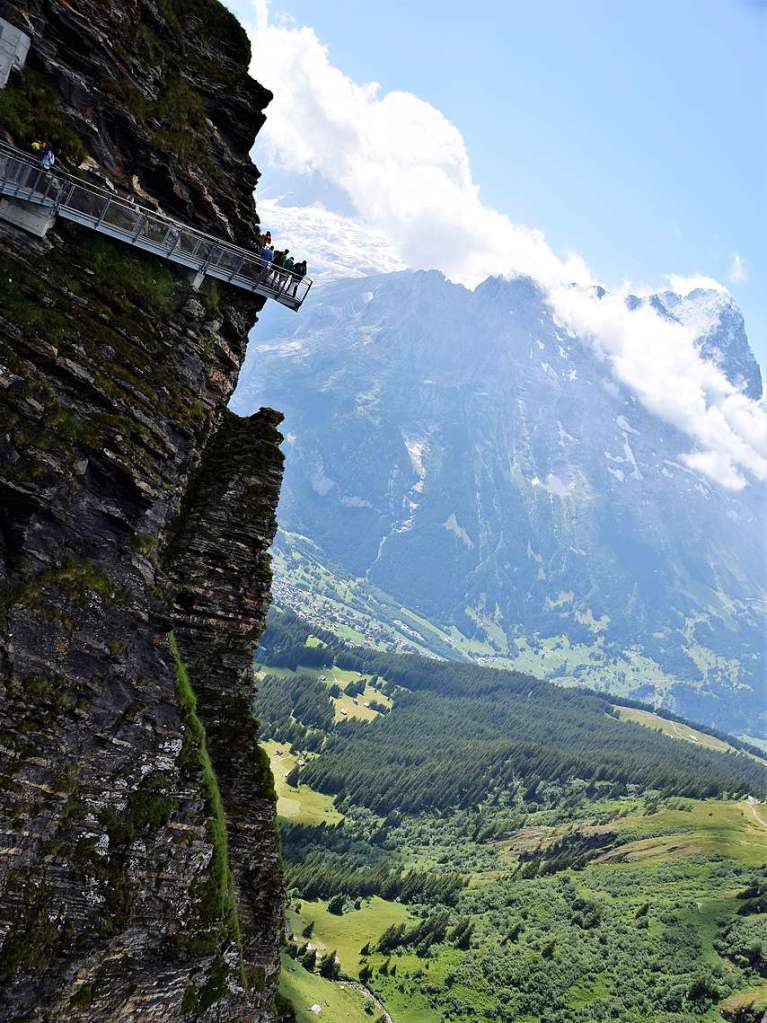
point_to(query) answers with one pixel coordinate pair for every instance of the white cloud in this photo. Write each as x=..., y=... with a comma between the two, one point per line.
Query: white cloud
x=405, y=170
x=694, y=282
x=403, y=165
x=738, y=272
x=657, y=359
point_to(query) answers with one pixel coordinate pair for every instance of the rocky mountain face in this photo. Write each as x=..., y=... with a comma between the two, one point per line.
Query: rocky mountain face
x=720, y=329
x=139, y=873
x=465, y=477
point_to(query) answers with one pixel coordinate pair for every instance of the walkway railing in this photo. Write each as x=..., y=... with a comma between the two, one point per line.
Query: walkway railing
x=21, y=177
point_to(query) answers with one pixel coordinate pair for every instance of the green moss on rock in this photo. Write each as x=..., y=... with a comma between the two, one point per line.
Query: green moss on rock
x=36, y=938
x=218, y=903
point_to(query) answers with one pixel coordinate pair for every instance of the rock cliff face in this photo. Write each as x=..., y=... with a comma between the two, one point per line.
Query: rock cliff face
x=139, y=875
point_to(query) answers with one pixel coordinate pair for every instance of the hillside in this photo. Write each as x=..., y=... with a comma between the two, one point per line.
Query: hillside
x=476, y=851
x=467, y=478
x=477, y=730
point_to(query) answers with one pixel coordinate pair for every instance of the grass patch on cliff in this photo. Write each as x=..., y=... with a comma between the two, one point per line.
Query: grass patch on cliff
x=29, y=110
x=176, y=120
x=142, y=279
x=221, y=902
x=35, y=938
x=150, y=806
x=80, y=583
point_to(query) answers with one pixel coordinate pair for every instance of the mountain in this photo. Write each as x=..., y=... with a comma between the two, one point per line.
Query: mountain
x=466, y=477
x=720, y=330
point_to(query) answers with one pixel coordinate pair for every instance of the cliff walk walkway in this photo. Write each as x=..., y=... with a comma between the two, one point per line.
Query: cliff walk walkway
x=55, y=193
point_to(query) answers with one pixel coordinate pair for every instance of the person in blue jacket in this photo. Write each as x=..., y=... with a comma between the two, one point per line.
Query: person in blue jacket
x=267, y=255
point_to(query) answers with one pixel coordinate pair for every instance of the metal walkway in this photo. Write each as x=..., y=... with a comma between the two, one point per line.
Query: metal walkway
x=67, y=196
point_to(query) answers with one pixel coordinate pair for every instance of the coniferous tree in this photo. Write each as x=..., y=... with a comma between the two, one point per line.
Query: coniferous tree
x=336, y=905
x=329, y=967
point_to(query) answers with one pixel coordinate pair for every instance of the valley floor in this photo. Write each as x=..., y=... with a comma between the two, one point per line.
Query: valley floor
x=489, y=849
x=649, y=913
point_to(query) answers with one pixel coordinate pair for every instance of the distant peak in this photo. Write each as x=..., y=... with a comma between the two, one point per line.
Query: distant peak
x=516, y=287
x=718, y=325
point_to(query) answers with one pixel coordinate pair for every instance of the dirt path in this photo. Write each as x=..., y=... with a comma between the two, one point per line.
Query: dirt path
x=753, y=806
x=367, y=993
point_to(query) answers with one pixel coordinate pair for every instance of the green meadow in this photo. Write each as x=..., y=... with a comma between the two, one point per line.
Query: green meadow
x=304, y=990
x=491, y=850
x=301, y=803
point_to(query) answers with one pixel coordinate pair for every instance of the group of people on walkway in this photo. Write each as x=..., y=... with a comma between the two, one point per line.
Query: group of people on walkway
x=281, y=271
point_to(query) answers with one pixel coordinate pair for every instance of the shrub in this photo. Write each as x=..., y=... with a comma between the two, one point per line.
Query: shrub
x=336, y=904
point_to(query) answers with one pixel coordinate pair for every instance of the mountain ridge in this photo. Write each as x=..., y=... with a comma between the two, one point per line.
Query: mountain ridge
x=447, y=442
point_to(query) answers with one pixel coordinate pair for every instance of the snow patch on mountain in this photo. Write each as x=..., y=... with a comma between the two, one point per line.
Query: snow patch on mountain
x=554, y=485
x=416, y=449
x=625, y=425
x=335, y=245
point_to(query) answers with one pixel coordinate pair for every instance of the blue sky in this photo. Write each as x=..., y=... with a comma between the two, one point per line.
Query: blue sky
x=631, y=133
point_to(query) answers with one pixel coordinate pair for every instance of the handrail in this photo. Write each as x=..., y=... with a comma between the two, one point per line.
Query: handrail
x=19, y=154
x=74, y=198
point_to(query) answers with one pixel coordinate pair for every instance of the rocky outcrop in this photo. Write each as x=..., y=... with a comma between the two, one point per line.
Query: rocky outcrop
x=217, y=566
x=138, y=865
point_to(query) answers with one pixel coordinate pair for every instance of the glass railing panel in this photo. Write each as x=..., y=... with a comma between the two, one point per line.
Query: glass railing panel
x=227, y=259
x=31, y=178
x=207, y=251
x=85, y=202
x=155, y=230
x=187, y=243
x=121, y=216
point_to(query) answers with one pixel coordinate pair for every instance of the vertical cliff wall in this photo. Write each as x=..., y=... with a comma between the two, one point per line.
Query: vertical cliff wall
x=138, y=865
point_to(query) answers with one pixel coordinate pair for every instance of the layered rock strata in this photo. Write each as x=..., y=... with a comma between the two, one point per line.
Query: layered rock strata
x=138, y=865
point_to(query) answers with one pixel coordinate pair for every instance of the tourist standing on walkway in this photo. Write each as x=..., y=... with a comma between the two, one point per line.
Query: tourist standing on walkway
x=299, y=272
x=287, y=266
x=44, y=154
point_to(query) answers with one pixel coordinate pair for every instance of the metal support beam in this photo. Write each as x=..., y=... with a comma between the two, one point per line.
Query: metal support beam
x=14, y=46
x=36, y=220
